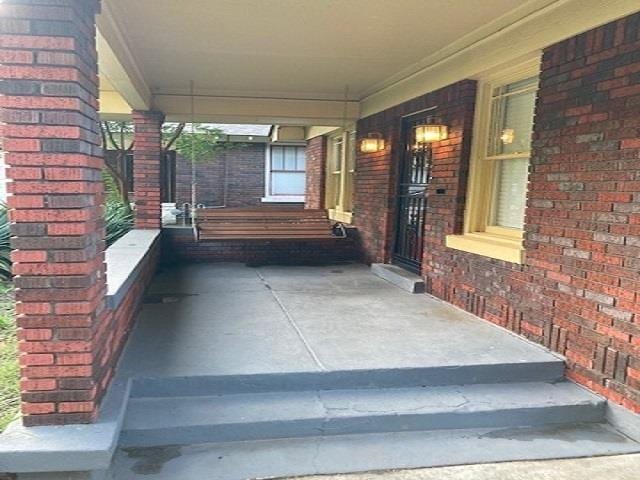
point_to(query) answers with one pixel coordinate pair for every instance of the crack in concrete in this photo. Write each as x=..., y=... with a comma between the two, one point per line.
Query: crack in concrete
x=292, y=322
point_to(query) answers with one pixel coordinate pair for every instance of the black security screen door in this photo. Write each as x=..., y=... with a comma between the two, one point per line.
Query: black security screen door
x=411, y=201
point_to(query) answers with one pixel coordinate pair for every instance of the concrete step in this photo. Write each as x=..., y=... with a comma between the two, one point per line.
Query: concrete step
x=399, y=277
x=551, y=370
x=366, y=452
x=260, y=416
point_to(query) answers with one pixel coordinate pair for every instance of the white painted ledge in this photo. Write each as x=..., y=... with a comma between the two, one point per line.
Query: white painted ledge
x=125, y=259
x=283, y=199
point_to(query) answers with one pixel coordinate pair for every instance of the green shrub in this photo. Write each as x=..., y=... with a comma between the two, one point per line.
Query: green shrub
x=5, y=243
x=9, y=369
x=118, y=218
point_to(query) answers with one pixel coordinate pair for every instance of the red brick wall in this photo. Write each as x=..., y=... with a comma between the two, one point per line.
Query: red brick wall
x=147, y=155
x=178, y=245
x=49, y=90
x=578, y=291
x=376, y=172
x=583, y=218
x=245, y=174
x=114, y=331
x=316, y=158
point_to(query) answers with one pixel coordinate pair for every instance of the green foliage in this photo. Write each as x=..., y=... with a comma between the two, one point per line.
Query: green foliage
x=9, y=369
x=197, y=142
x=5, y=243
x=118, y=218
x=117, y=135
x=111, y=190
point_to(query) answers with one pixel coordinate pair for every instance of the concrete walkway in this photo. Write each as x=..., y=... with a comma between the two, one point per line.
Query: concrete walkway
x=222, y=319
x=621, y=467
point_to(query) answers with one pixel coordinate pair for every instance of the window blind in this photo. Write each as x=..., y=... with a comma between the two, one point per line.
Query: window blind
x=511, y=192
x=288, y=163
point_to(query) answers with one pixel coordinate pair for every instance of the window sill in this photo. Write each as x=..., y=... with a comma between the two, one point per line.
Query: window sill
x=342, y=217
x=487, y=245
x=284, y=199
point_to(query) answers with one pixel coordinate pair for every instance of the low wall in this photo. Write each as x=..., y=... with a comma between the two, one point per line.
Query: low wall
x=179, y=245
x=131, y=264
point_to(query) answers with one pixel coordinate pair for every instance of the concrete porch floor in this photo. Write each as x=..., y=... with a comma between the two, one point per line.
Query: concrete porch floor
x=229, y=319
x=267, y=372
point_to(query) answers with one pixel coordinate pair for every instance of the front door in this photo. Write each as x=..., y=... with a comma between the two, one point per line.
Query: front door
x=411, y=200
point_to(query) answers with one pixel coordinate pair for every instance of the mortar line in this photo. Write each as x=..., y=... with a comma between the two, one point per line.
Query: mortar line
x=293, y=323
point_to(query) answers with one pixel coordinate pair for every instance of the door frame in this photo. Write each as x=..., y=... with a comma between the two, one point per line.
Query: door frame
x=398, y=158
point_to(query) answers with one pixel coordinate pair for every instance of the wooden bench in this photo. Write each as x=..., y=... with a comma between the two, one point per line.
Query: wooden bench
x=264, y=224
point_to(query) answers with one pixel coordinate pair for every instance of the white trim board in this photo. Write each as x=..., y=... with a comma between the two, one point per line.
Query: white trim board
x=549, y=24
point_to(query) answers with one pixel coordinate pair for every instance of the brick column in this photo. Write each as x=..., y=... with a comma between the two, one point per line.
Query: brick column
x=316, y=154
x=49, y=109
x=147, y=155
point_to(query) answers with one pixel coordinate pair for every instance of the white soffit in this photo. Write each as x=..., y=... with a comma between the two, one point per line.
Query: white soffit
x=290, y=61
x=307, y=49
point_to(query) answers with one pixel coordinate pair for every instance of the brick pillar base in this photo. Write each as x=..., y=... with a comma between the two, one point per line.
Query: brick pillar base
x=49, y=107
x=147, y=156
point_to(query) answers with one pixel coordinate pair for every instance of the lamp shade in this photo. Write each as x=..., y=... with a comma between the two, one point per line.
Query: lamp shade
x=430, y=133
x=372, y=143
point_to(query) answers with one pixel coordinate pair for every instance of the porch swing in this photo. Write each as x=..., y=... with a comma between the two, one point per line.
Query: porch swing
x=263, y=223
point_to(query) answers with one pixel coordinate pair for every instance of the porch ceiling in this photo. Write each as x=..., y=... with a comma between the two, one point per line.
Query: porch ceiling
x=291, y=58
x=290, y=48
x=283, y=49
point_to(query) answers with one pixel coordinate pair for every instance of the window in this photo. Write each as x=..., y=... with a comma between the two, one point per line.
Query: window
x=285, y=180
x=511, y=127
x=341, y=161
x=497, y=194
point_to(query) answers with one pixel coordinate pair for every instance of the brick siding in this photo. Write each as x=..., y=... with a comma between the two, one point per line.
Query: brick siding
x=69, y=340
x=147, y=155
x=51, y=138
x=178, y=245
x=316, y=157
x=578, y=291
x=244, y=178
x=375, y=184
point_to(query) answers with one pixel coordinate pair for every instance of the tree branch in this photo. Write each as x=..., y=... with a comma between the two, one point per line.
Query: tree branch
x=111, y=138
x=175, y=136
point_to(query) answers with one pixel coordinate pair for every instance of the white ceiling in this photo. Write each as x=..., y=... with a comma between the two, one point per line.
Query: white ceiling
x=309, y=49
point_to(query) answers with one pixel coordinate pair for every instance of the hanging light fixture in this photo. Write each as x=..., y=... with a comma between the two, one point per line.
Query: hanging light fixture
x=429, y=133
x=372, y=143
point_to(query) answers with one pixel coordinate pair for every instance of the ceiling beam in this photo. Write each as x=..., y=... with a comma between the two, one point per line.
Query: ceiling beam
x=117, y=63
x=217, y=109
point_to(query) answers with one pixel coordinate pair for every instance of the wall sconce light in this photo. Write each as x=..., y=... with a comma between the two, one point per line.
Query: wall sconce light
x=372, y=143
x=508, y=135
x=430, y=133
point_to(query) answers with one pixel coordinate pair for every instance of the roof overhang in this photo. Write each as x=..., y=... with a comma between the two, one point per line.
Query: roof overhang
x=362, y=56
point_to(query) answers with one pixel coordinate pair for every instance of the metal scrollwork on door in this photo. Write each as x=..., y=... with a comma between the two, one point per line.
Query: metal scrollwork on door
x=411, y=201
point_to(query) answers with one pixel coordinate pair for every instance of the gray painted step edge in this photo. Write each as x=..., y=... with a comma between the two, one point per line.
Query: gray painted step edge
x=399, y=277
x=181, y=421
x=547, y=371
x=361, y=453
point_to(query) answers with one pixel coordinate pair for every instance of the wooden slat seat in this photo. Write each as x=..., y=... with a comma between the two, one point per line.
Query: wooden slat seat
x=262, y=224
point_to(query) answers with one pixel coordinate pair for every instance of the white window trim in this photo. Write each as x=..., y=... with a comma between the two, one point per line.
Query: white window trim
x=478, y=236
x=268, y=198
x=338, y=212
